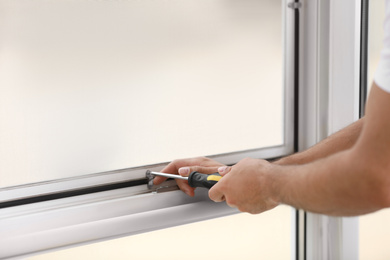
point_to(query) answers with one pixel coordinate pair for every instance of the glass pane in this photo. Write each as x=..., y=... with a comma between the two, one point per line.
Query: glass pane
x=88, y=86
x=242, y=236
x=374, y=229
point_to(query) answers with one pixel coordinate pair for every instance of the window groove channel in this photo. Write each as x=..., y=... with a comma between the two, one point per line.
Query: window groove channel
x=73, y=193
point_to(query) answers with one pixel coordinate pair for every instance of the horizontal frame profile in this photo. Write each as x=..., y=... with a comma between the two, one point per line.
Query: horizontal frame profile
x=101, y=214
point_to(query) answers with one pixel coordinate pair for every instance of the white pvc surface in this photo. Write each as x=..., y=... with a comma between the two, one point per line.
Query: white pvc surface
x=90, y=86
x=242, y=236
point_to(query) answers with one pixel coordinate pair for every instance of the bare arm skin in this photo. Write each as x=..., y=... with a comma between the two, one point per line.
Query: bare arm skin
x=353, y=181
x=342, y=140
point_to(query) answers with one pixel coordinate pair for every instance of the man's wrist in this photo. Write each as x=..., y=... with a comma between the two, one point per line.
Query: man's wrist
x=294, y=159
x=279, y=182
x=283, y=161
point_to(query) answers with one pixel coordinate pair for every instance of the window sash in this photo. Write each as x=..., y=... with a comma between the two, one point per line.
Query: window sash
x=32, y=228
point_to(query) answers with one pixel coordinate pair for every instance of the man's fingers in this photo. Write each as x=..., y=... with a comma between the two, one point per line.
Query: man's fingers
x=187, y=189
x=184, y=167
x=158, y=180
x=231, y=205
x=224, y=170
x=183, y=185
x=185, y=171
x=171, y=168
x=216, y=195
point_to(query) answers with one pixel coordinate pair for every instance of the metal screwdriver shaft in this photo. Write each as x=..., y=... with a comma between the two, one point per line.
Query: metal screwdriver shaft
x=174, y=176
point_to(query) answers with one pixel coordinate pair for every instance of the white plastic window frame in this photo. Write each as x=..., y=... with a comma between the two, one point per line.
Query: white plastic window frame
x=329, y=100
x=38, y=227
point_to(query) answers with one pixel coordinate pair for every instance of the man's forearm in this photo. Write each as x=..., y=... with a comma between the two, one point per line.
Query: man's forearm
x=351, y=182
x=336, y=185
x=340, y=141
x=346, y=174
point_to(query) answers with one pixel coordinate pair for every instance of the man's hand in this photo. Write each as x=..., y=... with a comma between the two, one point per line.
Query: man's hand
x=184, y=167
x=248, y=186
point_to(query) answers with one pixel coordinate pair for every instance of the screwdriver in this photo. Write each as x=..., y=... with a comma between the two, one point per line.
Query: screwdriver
x=195, y=179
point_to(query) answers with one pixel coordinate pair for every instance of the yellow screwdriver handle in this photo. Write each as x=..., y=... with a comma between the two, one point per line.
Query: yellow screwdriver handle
x=197, y=179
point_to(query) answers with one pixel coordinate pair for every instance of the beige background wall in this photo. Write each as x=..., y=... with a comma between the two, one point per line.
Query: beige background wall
x=374, y=229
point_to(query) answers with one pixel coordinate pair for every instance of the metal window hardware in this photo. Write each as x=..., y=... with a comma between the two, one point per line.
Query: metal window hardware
x=294, y=5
